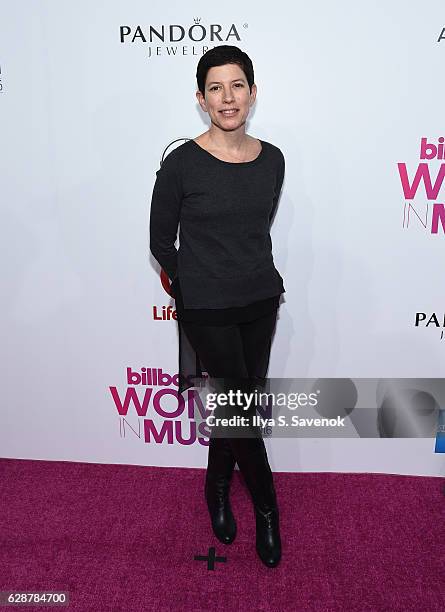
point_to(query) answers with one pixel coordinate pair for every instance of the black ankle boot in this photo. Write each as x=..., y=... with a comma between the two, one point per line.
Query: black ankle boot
x=256, y=471
x=221, y=463
x=268, y=540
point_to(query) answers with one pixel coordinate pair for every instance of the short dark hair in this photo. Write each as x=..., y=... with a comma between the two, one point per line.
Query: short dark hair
x=220, y=55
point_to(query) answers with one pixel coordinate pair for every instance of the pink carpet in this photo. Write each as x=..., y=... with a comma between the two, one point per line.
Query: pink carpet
x=125, y=538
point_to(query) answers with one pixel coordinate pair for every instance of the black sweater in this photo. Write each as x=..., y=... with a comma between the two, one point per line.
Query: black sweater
x=224, y=211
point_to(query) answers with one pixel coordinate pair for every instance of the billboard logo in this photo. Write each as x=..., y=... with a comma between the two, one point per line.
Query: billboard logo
x=421, y=188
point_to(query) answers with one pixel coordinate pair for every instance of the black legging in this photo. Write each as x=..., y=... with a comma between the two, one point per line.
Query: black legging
x=234, y=353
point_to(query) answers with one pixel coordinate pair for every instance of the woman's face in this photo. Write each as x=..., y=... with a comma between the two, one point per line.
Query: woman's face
x=226, y=88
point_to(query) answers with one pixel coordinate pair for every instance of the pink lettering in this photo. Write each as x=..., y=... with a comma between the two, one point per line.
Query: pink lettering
x=422, y=172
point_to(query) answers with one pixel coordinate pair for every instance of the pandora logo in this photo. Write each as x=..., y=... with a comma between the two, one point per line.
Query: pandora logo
x=174, y=33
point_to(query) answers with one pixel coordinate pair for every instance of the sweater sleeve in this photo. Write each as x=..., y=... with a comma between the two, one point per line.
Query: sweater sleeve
x=164, y=213
x=278, y=185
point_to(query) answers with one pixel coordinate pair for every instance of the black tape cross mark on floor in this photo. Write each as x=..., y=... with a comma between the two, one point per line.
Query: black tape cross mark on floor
x=211, y=558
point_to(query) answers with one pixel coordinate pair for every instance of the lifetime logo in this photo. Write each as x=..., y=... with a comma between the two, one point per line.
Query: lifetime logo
x=165, y=313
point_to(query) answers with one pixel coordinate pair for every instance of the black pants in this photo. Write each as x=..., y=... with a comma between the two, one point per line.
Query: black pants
x=235, y=353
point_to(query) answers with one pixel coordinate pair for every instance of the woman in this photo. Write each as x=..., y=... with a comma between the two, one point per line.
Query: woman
x=222, y=189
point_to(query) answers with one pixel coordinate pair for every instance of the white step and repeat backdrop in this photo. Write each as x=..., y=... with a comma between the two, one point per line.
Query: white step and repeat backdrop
x=91, y=95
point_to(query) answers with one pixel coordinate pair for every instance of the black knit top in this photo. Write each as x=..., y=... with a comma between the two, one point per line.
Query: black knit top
x=224, y=211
